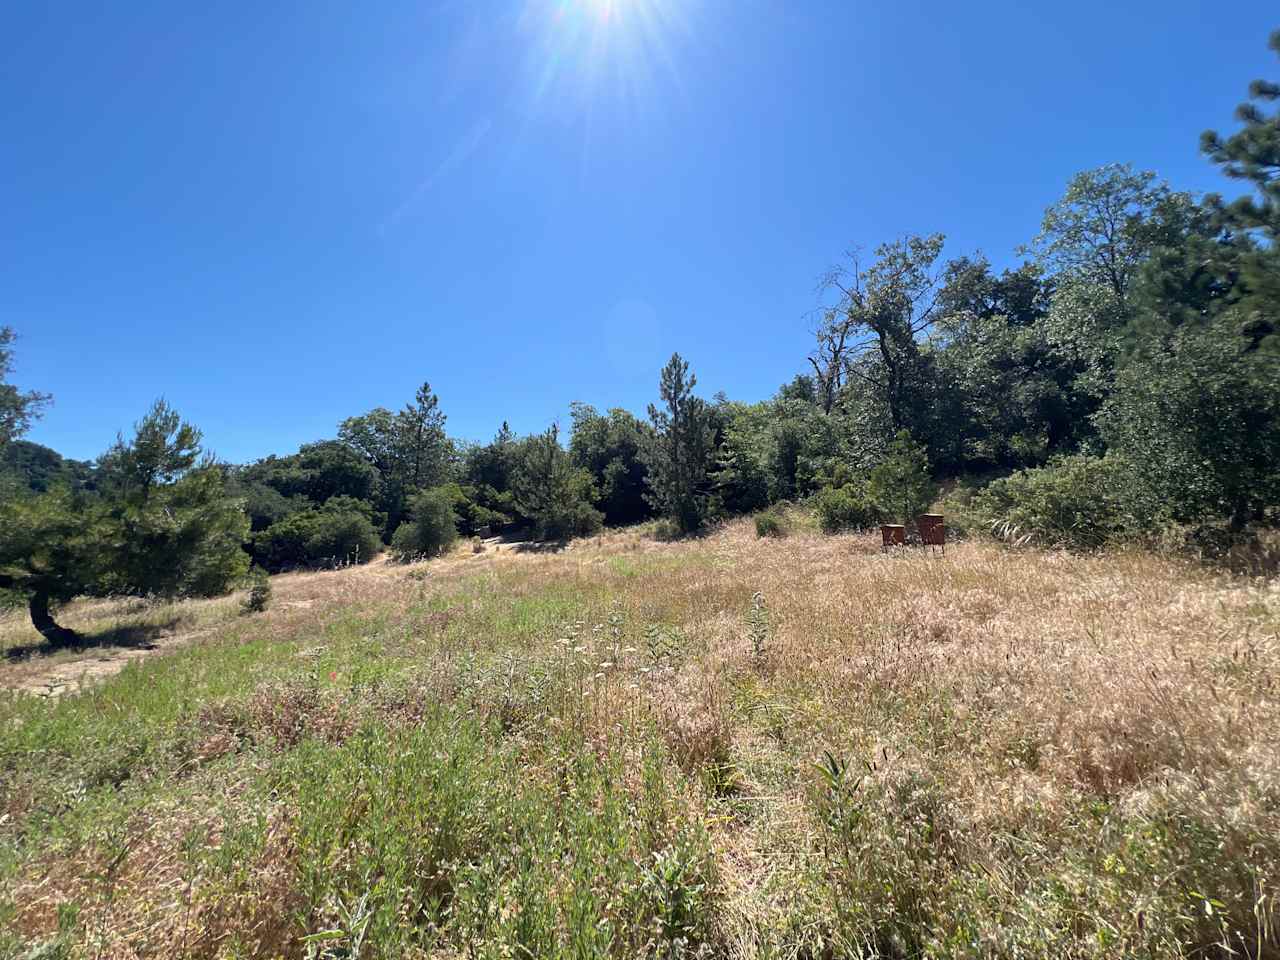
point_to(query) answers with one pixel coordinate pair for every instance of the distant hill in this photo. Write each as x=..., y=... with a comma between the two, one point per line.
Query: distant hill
x=39, y=468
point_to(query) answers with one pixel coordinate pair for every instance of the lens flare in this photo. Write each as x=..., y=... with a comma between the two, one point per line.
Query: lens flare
x=597, y=48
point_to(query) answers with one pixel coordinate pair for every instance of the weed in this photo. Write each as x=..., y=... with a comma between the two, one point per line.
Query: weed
x=758, y=629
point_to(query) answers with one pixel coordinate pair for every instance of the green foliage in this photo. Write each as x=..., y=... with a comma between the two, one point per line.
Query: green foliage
x=465, y=867
x=164, y=447
x=315, y=473
x=265, y=505
x=846, y=508
x=1253, y=154
x=409, y=450
x=1007, y=396
x=52, y=545
x=665, y=531
x=609, y=446
x=493, y=464
x=165, y=526
x=680, y=454
x=869, y=351
x=433, y=527
x=175, y=529
x=183, y=539
x=39, y=469
x=772, y=451
x=901, y=484
x=1108, y=222
x=488, y=473
x=474, y=508
x=1079, y=501
x=551, y=493
x=17, y=409
x=340, y=532
x=259, y=597
x=771, y=523
x=1199, y=413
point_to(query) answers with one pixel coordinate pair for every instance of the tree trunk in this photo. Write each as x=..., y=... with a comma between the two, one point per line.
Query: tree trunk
x=43, y=621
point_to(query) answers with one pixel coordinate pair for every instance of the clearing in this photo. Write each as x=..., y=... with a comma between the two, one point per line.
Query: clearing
x=724, y=747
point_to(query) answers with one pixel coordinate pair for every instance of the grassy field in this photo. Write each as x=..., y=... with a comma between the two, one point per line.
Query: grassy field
x=727, y=747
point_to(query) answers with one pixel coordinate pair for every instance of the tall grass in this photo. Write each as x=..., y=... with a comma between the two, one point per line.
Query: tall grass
x=726, y=747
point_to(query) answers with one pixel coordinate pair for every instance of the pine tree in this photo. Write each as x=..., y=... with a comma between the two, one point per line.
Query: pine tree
x=551, y=492
x=901, y=483
x=164, y=525
x=423, y=438
x=1253, y=154
x=680, y=457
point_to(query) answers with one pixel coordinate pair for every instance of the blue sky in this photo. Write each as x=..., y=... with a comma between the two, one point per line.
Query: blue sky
x=277, y=215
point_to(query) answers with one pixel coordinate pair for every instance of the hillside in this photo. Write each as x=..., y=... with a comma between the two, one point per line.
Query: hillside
x=725, y=747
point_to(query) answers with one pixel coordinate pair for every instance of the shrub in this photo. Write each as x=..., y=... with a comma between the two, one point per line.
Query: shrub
x=1079, y=502
x=433, y=529
x=845, y=508
x=962, y=521
x=771, y=523
x=901, y=485
x=578, y=519
x=665, y=530
x=342, y=537
x=314, y=538
x=259, y=597
x=480, y=508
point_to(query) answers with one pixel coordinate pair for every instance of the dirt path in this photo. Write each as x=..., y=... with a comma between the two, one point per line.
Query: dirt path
x=71, y=676
x=52, y=674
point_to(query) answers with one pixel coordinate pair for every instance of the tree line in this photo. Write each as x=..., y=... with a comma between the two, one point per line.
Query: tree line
x=1122, y=381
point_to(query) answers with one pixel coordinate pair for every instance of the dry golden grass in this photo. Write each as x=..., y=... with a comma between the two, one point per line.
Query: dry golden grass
x=1068, y=733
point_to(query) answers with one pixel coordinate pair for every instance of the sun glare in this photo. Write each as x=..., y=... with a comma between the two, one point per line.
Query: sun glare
x=602, y=9
x=591, y=46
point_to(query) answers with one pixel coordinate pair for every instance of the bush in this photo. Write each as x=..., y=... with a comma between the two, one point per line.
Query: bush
x=340, y=537
x=315, y=538
x=845, y=508
x=480, y=508
x=962, y=521
x=259, y=597
x=576, y=519
x=900, y=485
x=432, y=530
x=665, y=530
x=1079, y=502
x=771, y=523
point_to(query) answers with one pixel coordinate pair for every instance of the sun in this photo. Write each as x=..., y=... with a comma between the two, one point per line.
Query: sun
x=588, y=45
x=603, y=9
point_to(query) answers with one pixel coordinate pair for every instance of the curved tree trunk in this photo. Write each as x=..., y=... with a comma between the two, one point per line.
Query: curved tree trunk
x=43, y=621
